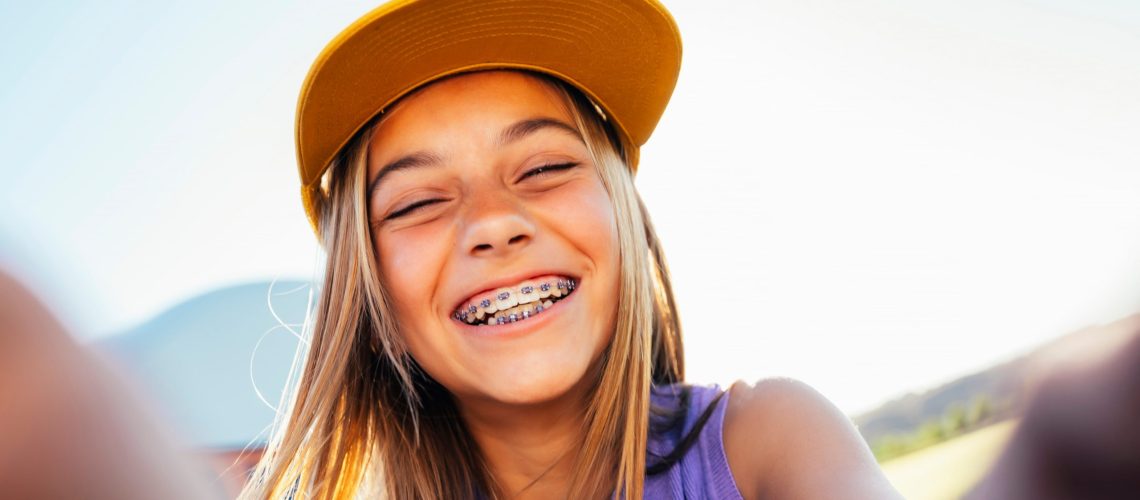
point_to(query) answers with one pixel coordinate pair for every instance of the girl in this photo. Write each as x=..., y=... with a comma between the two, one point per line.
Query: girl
x=496, y=318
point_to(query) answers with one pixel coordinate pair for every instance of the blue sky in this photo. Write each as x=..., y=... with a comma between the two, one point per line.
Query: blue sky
x=847, y=190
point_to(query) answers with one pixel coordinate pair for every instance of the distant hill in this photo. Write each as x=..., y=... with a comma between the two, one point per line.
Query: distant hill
x=1005, y=386
x=196, y=360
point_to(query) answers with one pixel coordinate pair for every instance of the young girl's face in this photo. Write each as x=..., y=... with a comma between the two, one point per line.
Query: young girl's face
x=485, y=204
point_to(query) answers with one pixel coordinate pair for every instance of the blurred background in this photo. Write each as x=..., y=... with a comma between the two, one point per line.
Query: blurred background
x=911, y=206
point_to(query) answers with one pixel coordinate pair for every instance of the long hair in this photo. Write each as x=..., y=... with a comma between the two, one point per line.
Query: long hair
x=363, y=418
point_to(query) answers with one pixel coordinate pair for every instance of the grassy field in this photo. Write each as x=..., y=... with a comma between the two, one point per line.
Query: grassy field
x=948, y=470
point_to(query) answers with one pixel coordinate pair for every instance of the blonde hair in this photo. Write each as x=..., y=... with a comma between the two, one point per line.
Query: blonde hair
x=364, y=418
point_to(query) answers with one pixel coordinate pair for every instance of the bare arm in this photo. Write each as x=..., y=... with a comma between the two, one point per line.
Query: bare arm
x=67, y=427
x=785, y=440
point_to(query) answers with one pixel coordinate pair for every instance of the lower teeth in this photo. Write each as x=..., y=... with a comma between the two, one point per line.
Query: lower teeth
x=535, y=309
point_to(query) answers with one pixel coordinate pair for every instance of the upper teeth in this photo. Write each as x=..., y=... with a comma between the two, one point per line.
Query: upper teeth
x=536, y=291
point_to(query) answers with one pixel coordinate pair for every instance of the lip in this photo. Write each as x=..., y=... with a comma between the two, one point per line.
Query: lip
x=520, y=328
x=508, y=280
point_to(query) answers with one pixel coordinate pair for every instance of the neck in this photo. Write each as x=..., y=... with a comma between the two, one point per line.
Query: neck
x=530, y=449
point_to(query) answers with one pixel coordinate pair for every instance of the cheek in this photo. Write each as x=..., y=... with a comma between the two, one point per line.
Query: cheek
x=599, y=227
x=590, y=226
x=409, y=262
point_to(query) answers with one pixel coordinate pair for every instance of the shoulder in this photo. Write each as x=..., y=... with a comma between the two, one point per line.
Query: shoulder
x=783, y=439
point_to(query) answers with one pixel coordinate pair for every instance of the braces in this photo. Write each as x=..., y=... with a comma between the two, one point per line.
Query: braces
x=566, y=286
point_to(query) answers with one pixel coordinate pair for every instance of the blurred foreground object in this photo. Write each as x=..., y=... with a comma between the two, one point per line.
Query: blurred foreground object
x=68, y=429
x=1080, y=438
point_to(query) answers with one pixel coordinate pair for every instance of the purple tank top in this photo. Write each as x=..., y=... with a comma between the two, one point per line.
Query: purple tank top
x=702, y=472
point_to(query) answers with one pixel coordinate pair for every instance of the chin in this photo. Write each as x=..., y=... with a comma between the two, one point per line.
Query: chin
x=537, y=380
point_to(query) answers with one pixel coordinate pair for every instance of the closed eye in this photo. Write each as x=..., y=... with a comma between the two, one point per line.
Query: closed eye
x=413, y=207
x=548, y=169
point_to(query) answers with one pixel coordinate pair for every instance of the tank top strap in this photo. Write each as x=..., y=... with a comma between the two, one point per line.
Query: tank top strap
x=703, y=471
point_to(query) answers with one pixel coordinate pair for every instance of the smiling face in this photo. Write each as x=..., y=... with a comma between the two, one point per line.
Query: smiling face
x=483, y=200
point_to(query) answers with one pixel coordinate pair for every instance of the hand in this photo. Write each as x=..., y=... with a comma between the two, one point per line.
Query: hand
x=1080, y=437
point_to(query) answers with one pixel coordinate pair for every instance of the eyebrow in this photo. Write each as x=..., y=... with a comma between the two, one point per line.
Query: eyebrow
x=512, y=133
x=527, y=127
x=414, y=160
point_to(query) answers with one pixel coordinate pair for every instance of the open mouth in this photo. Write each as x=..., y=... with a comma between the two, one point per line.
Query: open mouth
x=511, y=304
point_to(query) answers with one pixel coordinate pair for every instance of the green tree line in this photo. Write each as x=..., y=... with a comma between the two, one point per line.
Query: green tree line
x=957, y=420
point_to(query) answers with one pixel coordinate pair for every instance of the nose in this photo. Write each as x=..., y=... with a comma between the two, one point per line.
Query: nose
x=497, y=227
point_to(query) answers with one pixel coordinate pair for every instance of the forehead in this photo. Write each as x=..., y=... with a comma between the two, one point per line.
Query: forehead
x=477, y=103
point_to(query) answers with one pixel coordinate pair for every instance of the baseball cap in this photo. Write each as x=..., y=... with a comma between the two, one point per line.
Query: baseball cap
x=624, y=55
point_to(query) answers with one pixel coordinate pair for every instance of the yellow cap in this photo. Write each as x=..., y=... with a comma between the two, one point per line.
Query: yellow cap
x=624, y=54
